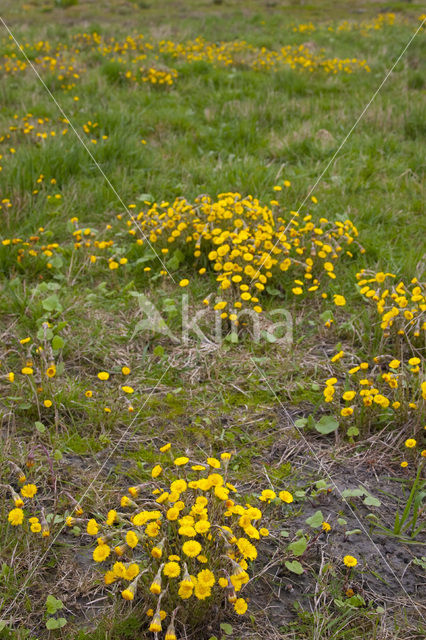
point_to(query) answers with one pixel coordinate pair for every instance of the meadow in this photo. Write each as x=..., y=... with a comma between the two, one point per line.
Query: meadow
x=212, y=320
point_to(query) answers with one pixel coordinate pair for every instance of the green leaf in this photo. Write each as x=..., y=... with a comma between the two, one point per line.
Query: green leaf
x=52, y=623
x=52, y=303
x=53, y=604
x=40, y=427
x=300, y=423
x=352, y=532
x=327, y=424
x=356, y=601
x=57, y=343
x=43, y=333
x=294, y=567
x=326, y=316
x=371, y=501
x=315, y=520
x=321, y=484
x=353, y=431
x=58, y=454
x=353, y=493
x=226, y=628
x=57, y=262
x=298, y=547
x=342, y=521
x=158, y=350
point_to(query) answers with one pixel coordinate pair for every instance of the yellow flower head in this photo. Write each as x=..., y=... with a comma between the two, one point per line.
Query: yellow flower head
x=350, y=561
x=28, y=490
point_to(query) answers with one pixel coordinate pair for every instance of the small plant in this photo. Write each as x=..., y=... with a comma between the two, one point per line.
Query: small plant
x=183, y=542
x=53, y=605
x=388, y=391
x=406, y=523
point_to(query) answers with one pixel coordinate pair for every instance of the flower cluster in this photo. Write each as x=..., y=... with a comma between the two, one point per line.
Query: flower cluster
x=387, y=388
x=246, y=244
x=181, y=540
x=65, y=63
x=245, y=55
x=23, y=494
x=410, y=446
x=401, y=307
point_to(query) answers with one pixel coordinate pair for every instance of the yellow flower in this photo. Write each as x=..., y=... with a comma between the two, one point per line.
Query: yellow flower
x=157, y=552
x=326, y=527
x=155, y=626
x=247, y=549
x=191, y=548
x=132, y=571
x=127, y=594
x=103, y=375
x=410, y=443
x=223, y=582
x=240, y=606
x=267, y=495
x=165, y=447
x=184, y=283
x=28, y=490
x=125, y=371
x=16, y=517
x=394, y=364
x=186, y=588
x=47, y=403
x=51, y=371
x=156, y=471
x=350, y=561
x=404, y=464
x=111, y=517
x=179, y=462
x=11, y=376
x=349, y=395
x=414, y=361
x=171, y=569
x=92, y=527
x=285, y=496
x=202, y=526
x=202, y=591
x=339, y=301
x=132, y=539
x=346, y=411
x=101, y=553
x=213, y=462
x=127, y=389
x=178, y=486
x=109, y=577
x=27, y=371
x=206, y=577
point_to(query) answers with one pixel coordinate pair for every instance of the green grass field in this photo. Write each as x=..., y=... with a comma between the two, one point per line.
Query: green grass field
x=212, y=235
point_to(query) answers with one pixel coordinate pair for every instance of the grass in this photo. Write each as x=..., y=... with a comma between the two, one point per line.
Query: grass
x=216, y=129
